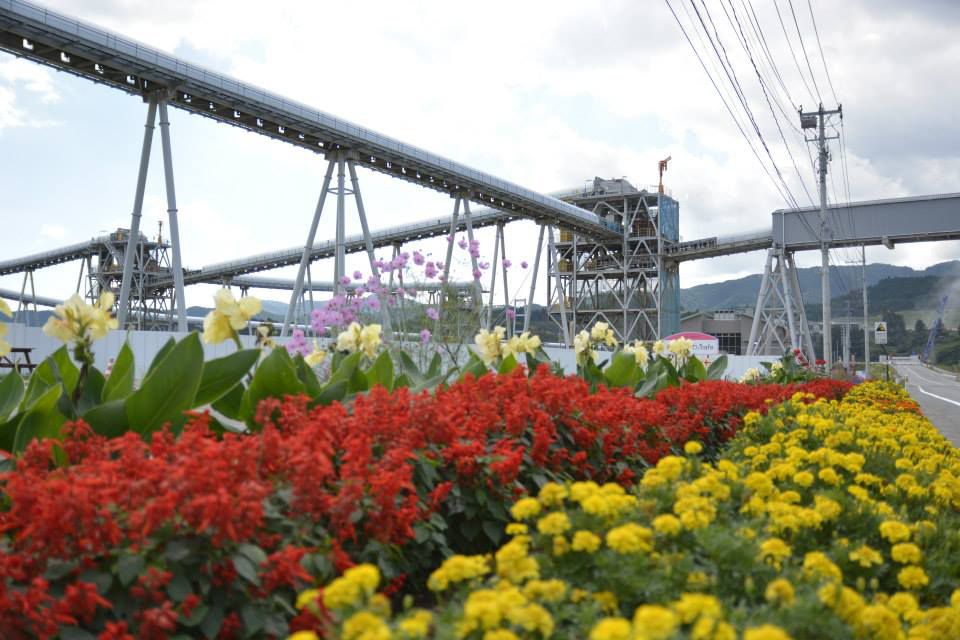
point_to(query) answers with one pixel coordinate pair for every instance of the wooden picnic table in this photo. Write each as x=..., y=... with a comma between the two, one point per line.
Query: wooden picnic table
x=9, y=361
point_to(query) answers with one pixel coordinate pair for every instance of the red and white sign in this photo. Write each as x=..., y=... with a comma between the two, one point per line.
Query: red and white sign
x=704, y=345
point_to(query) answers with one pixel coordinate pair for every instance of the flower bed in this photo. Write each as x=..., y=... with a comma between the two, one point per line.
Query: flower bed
x=212, y=536
x=822, y=520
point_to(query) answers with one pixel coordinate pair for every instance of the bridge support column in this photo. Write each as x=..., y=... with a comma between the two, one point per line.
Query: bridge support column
x=133, y=241
x=564, y=325
x=493, y=273
x=307, y=250
x=506, y=291
x=180, y=301
x=533, y=280
x=779, y=319
x=477, y=289
x=368, y=241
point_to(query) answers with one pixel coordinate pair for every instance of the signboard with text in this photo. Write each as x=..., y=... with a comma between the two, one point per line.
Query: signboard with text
x=880, y=332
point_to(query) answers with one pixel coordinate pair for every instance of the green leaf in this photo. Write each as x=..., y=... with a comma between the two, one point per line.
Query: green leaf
x=161, y=354
x=220, y=375
x=254, y=553
x=493, y=529
x=42, y=420
x=331, y=392
x=169, y=388
x=693, y=370
x=246, y=569
x=358, y=382
x=75, y=633
x=253, y=618
x=41, y=379
x=108, y=419
x=717, y=368
x=381, y=372
x=508, y=364
x=62, y=364
x=648, y=387
x=345, y=368
x=436, y=362
x=129, y=567
x=196, y=616
x=11, y=392
x=179, y=587
x=120, y=382
x=474, y=366
x=231, y=403
x=92, y=391
x=57, y=568
x=307, y=376
x=621, y=372
x=276, y=377
x=212, y=623
x=410, y=367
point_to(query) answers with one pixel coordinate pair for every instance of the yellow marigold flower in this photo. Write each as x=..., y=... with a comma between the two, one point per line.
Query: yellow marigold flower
x=667, y=525
x=585, y=541
x=653, y=622
x=532, y=618
x=803, y=478
x=630, y=538
x=525, y=508
x=955, y=599
x=612, y=629
x=903, y=602
x=829, y=476
x=827, y=508
x=866, y=556
x=560, y=545
x=554, y=524
x=517, y=529
x=364, y=625
x=670, y=467
x=303, y=635
x=775, y=551
x=877, y=621
x=307, y=597
x=552, y=494
x=355, y=583
x=906, y=553
x=912, y=578
x=766, y=632
x=692, y=448
x=458, y=569
x=545, y=590
x=691, y=606
x=846, y=602
x=513, y=562
x=780, y=591
x=417, y=625
x=698, y=580
x=500, y=634
x=894, y=531
x=607, y=601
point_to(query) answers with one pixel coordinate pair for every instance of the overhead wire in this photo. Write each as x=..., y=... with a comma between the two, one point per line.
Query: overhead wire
x=803, y=48
x=826, y=71
x=724, y=100
x=793, y=53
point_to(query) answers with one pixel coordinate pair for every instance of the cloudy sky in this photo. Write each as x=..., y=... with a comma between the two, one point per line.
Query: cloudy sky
x=546, y=94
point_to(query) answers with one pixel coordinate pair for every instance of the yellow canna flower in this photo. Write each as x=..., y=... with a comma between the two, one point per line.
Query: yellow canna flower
x=228, y=316
x=317, y=356
x=5, y=308
x=75, y=320
x=369, y=340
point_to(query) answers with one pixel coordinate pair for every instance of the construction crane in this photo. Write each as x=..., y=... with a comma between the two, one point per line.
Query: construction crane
x=928, y=349
x=662, y=165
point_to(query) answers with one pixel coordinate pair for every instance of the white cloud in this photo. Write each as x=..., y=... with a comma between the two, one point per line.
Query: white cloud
x=53, y=231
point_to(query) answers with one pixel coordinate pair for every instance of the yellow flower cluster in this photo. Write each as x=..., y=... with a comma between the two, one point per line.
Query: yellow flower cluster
x=492, y=345
x=228, y=316
x=823, y=519
x=75, y=320
x=360, y=338
x=585, y=341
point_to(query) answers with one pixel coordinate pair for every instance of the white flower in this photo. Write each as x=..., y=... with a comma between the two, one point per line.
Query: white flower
x=488, y=343
x=601, y=332
x=658, y=347
x=750, y=375
x=349, y=338
x=640, y=353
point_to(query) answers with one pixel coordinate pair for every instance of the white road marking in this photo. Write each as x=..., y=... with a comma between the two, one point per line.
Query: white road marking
x=933, y=395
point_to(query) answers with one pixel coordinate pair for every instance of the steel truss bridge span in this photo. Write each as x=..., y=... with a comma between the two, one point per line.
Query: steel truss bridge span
x=53, y=39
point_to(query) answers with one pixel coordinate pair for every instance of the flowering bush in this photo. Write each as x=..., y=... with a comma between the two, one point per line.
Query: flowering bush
x=823, y=520
x=207, y=534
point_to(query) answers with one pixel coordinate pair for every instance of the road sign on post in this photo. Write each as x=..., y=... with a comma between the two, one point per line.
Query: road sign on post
x=880, y=332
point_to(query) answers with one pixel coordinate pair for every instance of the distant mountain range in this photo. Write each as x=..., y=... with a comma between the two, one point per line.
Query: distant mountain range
x=844, y=280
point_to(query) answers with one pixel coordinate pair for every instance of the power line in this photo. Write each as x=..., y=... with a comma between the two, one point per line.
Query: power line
x=723, y=99
x=732, y=77
x=793, y=53
x=763, y=88
x=803, y=48
x=820, y=46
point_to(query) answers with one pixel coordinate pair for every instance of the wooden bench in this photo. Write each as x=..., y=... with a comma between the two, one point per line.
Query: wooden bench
x=9, y=361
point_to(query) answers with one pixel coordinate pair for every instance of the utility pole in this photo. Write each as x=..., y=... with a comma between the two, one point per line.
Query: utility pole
x=866, y=329
x=817, y=120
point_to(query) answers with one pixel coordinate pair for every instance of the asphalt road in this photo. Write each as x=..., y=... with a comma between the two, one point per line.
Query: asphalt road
x=938, y=395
